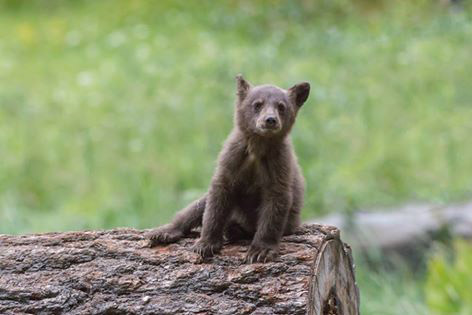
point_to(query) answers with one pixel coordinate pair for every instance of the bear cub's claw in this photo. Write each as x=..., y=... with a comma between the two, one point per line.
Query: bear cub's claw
x=260, y=254
x=206, y=249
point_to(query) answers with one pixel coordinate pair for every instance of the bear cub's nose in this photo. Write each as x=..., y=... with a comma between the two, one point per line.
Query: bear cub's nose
x=271, y=121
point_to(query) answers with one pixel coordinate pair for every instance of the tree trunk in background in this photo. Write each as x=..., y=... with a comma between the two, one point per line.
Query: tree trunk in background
x=114, y=272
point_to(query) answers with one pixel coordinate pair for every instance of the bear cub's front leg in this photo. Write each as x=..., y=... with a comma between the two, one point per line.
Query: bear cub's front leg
x=270, y=228
x=215, y=217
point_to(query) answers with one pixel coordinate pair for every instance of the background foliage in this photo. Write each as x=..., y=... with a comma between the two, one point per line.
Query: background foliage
x=449, y=280
x=112, y=112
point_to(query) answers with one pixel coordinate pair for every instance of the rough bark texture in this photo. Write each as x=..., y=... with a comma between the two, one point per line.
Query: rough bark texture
x=113, y=272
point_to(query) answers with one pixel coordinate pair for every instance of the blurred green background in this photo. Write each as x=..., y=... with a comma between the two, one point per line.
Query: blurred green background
x=112, y=112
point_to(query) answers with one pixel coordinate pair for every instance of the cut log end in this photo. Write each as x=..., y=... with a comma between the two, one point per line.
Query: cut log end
x=333, y=288
x=114, y=272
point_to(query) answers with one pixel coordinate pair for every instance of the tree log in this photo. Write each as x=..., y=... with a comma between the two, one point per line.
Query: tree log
x=114, y=272
x=405, y=229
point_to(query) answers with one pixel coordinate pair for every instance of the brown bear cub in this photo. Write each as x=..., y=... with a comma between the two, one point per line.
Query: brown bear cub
x=257, y=188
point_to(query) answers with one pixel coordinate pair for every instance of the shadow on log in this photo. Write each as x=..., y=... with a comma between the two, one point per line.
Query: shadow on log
x=114, y=272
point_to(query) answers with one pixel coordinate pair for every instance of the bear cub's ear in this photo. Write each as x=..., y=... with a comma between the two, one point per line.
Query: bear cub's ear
x=243, y=87
x=299, y=93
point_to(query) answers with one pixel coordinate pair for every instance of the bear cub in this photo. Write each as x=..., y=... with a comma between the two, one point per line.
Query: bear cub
x=257, y=189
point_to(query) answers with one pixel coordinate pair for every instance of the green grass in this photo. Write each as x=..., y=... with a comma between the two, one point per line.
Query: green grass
x=390, y=291
x=447, y=286
x=112, y=112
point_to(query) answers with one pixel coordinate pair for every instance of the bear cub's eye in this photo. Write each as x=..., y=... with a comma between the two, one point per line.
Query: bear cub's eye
x=257, y=105
x=281, y=107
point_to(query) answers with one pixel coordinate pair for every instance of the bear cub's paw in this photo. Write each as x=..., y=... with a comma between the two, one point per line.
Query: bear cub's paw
x=206, y=248
x=164, y=235
x=261, y=254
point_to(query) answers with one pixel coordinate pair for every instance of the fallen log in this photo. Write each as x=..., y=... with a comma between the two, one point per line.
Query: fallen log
x=115, y=272
x=404, y=229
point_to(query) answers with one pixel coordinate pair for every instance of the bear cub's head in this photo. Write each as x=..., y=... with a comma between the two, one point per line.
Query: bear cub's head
x=267, y=110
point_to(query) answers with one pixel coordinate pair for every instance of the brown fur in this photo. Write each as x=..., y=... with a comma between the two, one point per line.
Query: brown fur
x=257, y=188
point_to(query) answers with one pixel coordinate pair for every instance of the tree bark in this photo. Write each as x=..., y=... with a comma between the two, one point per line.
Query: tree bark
x=114, y=272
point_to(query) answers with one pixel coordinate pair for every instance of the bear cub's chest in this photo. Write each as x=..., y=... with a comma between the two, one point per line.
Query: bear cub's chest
x=254, y=173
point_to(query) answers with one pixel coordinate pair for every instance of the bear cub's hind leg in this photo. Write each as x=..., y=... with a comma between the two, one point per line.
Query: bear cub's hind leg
x=187, y=219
